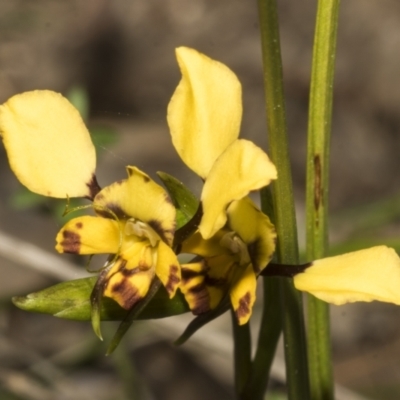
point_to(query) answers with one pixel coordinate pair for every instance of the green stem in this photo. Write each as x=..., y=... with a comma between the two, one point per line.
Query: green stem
x=319, y=353
x=287, y=249
x=270, y=330
x=242, y=353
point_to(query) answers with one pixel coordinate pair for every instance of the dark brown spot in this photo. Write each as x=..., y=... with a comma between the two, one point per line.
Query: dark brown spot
x=244, y=306
x=317, y=185
x=216, y=282
x=173, y=279
x=94, y=187
x=110, y=209
x=71, y=243
x=129, y=272
x=146, y=178
x=202, y=299
x=188, y=274
x=157, y=226
x=79, y=225
x=128, y=293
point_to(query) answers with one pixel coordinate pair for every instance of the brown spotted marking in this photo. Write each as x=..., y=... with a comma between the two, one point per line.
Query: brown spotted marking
x=146, y=179
x=173, y=279
x=201, y=297
x=157, y=226
x=244, y=306
x=115, y=208
x=126, y=293
x=188, y=274
x=215, y=282
x=71, y=243
x=93, y=187
x=78, y=225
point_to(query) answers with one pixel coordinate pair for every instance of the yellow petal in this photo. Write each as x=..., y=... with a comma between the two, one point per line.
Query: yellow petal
x=243, y=295
x=48, y=145
x=129, y=279
x=255, y=229
x=243, y=167
x=141, y=198
x=89, y=235
x=205, y=111
x=168, y=268
x=365, y=275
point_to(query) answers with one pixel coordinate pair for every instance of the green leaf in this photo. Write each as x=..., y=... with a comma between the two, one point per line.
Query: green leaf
x=71, y=300
x=185, y=202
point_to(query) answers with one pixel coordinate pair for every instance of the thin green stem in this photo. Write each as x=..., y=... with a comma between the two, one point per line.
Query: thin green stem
x=319, y=353
x=283, y=203
x=270, y=330
x=241, y=353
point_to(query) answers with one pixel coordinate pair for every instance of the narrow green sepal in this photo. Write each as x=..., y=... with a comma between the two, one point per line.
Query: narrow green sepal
x=203, y=319
x=185, y=202
x=96, y=297
x=71, y=300
x=132, y=315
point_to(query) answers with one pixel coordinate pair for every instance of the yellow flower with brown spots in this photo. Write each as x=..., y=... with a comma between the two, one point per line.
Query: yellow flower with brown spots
x=136, y=222
x=234, y=240
x=229, y=262
x=50, y=151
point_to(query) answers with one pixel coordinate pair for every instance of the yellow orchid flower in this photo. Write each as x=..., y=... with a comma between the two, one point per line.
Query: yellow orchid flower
x=230, y=261
x=364, y=275
x=204, y=117
x=136, y=221
x=51, y=153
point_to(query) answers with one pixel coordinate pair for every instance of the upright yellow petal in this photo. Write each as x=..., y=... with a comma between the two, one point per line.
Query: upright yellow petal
x=365, y=275
x=255, y=229
x=89, y=235
x=205, y=111
x=141, y=198
x=48, y=145
x=243, y=167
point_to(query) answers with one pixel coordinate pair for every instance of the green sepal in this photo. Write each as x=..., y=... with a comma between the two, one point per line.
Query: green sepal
x=71, y=300
x=185, y=202
x=204, y=319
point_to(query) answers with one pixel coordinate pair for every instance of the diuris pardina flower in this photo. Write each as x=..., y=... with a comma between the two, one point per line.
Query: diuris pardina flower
x=235, y=240
x=50, y=151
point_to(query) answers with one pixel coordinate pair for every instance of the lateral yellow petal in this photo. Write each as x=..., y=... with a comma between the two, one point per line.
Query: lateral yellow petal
x=89, y=235
x=365, y=275
x=168, y=268
x=48, y=145
x=243, y=295
x=243, y=167
x=255, y=229
x=205, y=111
x=141, y=198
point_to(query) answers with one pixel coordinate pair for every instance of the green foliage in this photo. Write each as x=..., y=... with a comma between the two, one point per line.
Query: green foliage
x=71, y=300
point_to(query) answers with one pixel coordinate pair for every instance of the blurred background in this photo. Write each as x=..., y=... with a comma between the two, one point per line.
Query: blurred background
x=115, y=60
